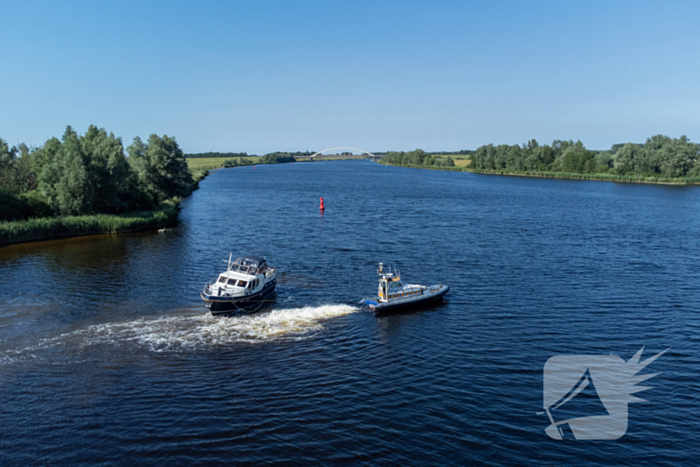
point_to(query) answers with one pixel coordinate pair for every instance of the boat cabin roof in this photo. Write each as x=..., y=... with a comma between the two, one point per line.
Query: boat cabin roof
x=250, y=260
x=237, y=274
x=248, y=265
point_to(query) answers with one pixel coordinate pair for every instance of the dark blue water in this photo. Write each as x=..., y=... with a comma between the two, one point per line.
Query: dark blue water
x=107, y=355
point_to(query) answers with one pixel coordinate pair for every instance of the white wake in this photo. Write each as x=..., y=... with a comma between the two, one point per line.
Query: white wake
x=204, y=330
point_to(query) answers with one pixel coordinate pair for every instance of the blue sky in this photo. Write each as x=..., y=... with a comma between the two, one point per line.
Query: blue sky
x=264, y=76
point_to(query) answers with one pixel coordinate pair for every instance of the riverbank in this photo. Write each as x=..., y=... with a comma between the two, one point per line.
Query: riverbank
x=602, y=177
x=204, y=164
x=199, y=164
x=49, y=228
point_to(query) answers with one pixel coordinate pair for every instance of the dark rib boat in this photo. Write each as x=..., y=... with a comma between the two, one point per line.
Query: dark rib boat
x=394, y=295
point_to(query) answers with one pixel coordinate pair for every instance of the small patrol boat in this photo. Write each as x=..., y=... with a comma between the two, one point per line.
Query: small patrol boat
x=393, y=294
x=244, y=285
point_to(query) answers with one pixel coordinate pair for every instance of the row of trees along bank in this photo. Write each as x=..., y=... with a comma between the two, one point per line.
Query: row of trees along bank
x=416, y=158
x=273, y=158
x=83, y=175
x=661, y=156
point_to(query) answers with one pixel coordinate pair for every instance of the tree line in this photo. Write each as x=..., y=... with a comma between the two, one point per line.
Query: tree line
x=202, y=155
x=277, y=158
x=90, y=174
x=660, y=156
x=461, y=152
x=293, y=154
x=272, y=158
x=416, y=158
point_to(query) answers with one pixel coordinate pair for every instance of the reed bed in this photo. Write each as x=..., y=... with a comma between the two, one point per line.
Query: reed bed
x=47, y=228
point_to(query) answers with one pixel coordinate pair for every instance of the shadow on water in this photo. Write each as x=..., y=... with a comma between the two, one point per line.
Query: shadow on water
x=436, y=305
x=262, y=306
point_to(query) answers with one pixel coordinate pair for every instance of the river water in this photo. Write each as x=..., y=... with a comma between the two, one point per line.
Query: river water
x=107, y=354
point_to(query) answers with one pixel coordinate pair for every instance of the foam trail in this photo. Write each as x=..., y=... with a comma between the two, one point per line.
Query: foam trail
x=202, y=330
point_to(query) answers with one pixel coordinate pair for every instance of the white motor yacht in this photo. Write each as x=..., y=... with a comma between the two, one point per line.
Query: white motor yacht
x=244, y=284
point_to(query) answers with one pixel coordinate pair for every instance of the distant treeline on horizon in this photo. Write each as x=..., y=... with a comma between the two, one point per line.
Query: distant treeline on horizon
x=659, y=156
x=201, y=155
x=229, y=155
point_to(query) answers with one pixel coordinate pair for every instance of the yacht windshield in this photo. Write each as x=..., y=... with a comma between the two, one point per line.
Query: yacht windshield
x=245, y=265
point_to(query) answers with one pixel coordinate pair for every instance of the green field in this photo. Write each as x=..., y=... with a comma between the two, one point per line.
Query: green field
x=210, y=163
x=460, y=160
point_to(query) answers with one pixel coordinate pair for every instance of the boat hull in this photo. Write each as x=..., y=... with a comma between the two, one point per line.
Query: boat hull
x=409, y=302
x=222, y=305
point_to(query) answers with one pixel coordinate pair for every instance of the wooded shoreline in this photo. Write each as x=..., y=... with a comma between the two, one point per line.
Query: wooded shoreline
x=86, y=185
x=564, y=175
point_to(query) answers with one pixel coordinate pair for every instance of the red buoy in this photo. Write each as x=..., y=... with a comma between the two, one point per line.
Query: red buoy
x=323, y=208
x=253, y=167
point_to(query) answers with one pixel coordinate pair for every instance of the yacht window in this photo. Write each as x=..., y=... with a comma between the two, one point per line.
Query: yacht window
x=242, y=283
x=222, y=279
x=232, y=282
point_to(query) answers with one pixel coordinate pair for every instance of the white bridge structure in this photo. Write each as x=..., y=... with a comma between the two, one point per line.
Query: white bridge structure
x=363, y=154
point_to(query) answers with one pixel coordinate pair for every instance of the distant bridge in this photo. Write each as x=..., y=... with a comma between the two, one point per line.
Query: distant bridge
x=363, y=154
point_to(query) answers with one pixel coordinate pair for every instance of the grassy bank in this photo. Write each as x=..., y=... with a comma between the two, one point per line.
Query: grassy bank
x=459, y=160
x=200, y=164
x=47, y=228
x=604, y=177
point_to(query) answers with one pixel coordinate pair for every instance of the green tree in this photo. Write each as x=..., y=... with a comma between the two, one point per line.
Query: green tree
x=26, y=177
x=161, y=167
x=626, y=156
x=114, y=183
x=277, y=158
x=679, y=156
x=416, y=157
x=74, y=192
x=603, y=161
x=7, y=167
x=514, y=159
x=500, y=158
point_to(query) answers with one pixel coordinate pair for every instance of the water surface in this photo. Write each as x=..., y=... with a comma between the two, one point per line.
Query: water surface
x=107, y=354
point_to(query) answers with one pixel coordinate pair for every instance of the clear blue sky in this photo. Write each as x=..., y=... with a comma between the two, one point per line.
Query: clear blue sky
x=294, y=75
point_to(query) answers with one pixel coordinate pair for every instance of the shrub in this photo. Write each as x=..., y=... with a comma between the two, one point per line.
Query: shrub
x=12, y=207
x=36, y=202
